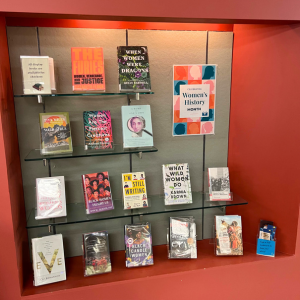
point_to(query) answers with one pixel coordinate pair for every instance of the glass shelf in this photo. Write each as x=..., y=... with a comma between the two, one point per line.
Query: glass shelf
x=83, y=95
x=79, y=151
x=76, y=211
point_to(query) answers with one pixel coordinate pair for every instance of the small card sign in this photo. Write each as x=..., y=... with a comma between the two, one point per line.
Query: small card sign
x=265, y=247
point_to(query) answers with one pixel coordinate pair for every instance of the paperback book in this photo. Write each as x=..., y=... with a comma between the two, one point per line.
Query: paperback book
x=55, y=133
x=48, y=259
x=50, y=197
x=182, y=240
x=38, y=74
x=229, y=239
x=134, y=190
x=96, y=253
x=97, y=130
x=194, y=97
x=134, y=74
x=219, y=185
x=97, y=192
x=87, y=69
x=177, y=184
x=137, y=126
x=138, y=245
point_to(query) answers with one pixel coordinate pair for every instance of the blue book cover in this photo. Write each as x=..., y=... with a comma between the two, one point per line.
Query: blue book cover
x=137, y=126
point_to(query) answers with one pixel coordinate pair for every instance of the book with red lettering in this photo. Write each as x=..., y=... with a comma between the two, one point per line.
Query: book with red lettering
x=50, y=197
x=87, y=69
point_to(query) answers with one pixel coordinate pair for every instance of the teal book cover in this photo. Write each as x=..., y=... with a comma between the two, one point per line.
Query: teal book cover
x=137, y=126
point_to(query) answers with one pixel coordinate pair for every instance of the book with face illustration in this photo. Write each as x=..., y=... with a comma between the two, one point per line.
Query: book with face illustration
x=48, y=259
x=137, y=126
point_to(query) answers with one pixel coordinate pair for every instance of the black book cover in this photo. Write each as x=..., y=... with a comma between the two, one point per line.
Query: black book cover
x=96, y=253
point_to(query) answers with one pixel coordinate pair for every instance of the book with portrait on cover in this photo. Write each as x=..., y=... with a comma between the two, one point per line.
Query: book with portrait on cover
x=219, y=185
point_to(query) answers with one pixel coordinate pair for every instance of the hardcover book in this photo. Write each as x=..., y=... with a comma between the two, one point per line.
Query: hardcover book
x=137, y=126
x=134, y=190
x=138, y=245
x=38, y=74
x=97, y=130
x=55, y=133
x=50, y=197
x=177, y=184
x=229, y=239
x=48, y=259
x=194, y=96
x=182, y=241
x=219, y=186
x=87, y=69
x=96, y=253
x=134, y=74
x=97, y=192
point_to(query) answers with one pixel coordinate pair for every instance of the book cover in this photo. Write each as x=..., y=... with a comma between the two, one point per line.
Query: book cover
x=229, y=239
x=48, y=259
x=194, y=96
x=38, y=74
x=55, y=133
x=134, y=74
x=96, y=253
x=134, y=190
x=137, y=126
x=177, y=184
x=219, y=185
x=87, y=69
x=50, y=197
x=182, y=241
x=138, y=245
x=97, y=130
x=97, y=192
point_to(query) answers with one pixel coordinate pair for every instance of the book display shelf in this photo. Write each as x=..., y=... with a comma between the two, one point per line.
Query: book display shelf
x=200, y=152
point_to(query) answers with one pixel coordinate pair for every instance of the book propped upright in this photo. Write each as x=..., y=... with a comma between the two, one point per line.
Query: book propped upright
x=38, y=74
x=219, y=185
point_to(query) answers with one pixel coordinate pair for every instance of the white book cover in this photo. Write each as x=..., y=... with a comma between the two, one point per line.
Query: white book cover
x=219, y=185
x=177, y=184
x=48, y=259
x=38, y=74
x=50, y=197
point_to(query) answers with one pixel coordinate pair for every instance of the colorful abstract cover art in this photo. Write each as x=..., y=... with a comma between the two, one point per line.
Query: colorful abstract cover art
x=134, y=74
x=138, y=245
x=177, y=184
x=97, y=192
x=229, y=239
x=96, y=253
x=50, y=197
x=134, y=190
x=137, y=126
x=55, y=133
x=194, y=93
x=219, y=185
x=97, y=130
x=87, y=69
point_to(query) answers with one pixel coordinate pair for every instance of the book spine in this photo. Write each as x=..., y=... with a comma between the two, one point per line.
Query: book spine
x=86, y=200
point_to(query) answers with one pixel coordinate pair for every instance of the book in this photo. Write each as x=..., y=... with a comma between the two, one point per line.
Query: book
x=38, y=74
x=219, y=185
x=134, y=73
x=96, y=253
x=137, y=126
x=97, y=192
x=194, y=97
x=229, y=239
x=134, y=190
x=97, y=130
x=182, y=240
x=48, y=259
x=87, y=69
x=177, y=184
x=55, y=133
x=138, y=245
x=50, y=197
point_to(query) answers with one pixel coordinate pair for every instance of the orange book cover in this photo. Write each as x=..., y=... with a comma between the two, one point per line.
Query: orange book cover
x=87, y=69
